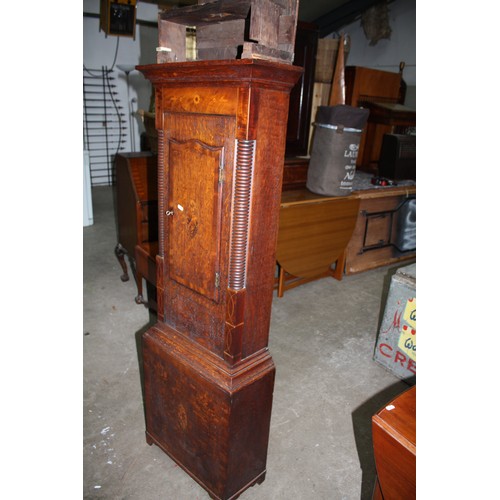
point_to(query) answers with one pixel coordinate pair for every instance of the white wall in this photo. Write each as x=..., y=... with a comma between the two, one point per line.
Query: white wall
x=387, y=54
x=99, y=50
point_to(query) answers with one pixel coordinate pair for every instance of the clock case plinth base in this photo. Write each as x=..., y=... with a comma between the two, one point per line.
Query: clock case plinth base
x=211, y=420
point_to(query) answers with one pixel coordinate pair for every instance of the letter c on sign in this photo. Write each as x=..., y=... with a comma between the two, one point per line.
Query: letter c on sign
x=382, y=350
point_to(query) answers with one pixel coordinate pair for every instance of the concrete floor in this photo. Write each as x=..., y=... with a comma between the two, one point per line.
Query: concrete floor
x=327, y=385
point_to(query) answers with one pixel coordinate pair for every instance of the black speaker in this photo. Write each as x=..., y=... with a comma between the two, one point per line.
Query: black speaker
x=398, y=157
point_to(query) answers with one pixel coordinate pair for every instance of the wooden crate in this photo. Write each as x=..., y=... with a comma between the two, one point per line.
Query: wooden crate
x=230, y=29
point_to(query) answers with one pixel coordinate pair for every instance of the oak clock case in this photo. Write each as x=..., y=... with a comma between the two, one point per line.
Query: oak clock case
x=208, y=373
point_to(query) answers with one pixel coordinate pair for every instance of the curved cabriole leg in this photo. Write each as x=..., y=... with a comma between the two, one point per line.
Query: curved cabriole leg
x=140, y=298
x=120, y=253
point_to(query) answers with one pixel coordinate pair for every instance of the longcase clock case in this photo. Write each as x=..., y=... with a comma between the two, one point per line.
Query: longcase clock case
x=208, y=373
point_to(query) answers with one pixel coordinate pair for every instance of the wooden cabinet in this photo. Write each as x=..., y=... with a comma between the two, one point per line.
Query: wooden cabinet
x=371, y=85
x=368, y=85
x=395, y=447
x=208, y=372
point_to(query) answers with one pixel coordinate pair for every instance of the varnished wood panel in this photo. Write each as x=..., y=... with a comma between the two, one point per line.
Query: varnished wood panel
x=370, y=85
x=195, y=208
x=313, y=233
x=208, y=374
x=199, y=153
x=395, y=446
x=214, y=425
x=267, y=125
x=197, y=99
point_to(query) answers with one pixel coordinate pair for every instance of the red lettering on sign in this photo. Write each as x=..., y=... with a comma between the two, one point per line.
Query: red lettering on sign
x=400, y=357
x=396, y=322
x=412, y=366
x=382, y=351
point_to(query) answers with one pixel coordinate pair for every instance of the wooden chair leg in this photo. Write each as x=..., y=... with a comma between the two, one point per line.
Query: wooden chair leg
x=140, y=298
x=120, y=253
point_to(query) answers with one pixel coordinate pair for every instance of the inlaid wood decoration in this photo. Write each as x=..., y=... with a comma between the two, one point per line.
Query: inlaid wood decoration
x=195, y=198
x=197, y=149
x=208, y=373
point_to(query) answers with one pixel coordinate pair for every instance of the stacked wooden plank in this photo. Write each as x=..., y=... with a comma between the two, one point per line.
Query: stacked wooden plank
x=230, y=29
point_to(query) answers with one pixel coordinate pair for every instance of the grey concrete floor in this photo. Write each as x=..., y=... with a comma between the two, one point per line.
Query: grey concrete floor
x=327, y=386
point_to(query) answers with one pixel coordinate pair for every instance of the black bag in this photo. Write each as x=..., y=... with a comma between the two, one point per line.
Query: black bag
x=335, y=148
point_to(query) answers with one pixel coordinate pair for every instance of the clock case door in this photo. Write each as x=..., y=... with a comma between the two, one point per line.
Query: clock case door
x=199, y=154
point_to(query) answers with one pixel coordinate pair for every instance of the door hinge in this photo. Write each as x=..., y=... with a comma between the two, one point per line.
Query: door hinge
x=221, y=170
x=217, y=280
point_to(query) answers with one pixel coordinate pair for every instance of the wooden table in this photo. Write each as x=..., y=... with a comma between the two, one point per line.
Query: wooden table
x=313, y=234
x=395, y=447
x=330, y=235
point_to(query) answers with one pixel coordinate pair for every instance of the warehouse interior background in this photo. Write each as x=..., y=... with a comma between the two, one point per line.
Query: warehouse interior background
x=42, y=368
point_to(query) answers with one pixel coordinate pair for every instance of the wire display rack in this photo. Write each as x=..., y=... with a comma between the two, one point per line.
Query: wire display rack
x=104, y=123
